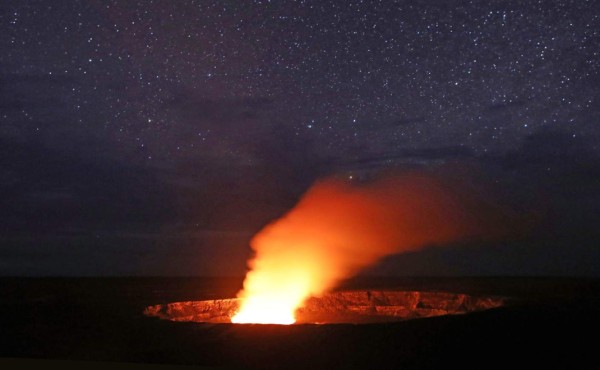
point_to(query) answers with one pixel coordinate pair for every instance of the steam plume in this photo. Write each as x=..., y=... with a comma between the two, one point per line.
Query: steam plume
x=338, y=228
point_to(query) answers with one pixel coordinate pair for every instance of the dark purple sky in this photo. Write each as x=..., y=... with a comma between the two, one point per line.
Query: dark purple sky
x=155, y=137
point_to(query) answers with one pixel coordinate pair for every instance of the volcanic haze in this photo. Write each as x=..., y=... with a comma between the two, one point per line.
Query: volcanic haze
x=339, y=228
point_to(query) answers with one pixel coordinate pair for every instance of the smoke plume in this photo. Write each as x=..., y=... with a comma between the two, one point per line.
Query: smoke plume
x=339, y=228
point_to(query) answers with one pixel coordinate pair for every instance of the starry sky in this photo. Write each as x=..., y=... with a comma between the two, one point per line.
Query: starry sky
x=155, y=137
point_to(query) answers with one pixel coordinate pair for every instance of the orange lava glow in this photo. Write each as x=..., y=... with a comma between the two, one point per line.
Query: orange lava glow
x=339, y=228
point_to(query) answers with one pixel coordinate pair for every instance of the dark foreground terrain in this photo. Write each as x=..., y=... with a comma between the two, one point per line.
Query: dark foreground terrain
x=547, y=322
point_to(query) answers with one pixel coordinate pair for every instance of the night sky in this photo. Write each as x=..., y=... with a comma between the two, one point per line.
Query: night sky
x=156, y=137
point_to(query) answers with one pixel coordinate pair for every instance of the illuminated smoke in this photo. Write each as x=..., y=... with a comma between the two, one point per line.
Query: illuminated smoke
x=339, y=228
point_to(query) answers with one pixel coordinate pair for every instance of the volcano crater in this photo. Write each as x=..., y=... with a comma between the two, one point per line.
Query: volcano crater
x=354, y=307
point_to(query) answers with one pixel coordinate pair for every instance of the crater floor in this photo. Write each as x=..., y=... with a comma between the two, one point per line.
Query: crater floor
x=361, y=306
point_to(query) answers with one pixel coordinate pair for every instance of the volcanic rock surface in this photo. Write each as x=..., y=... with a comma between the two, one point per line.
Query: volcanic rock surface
x=340, y=307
